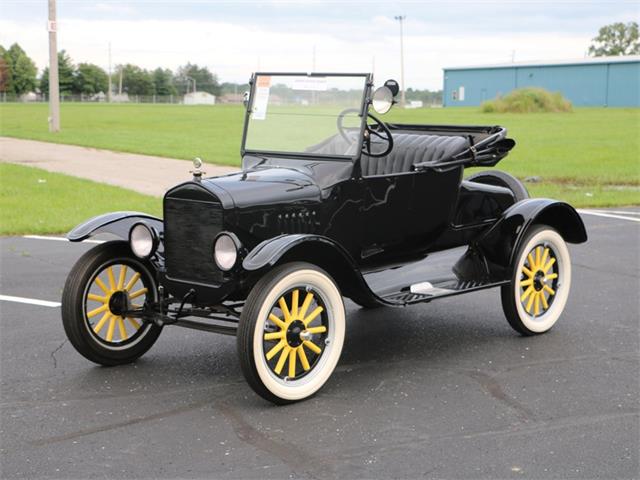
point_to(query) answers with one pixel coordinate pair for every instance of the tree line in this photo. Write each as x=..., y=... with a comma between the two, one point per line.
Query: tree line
x=19, y=75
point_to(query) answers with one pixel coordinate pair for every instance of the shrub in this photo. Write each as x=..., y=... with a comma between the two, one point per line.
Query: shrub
x=527, y=100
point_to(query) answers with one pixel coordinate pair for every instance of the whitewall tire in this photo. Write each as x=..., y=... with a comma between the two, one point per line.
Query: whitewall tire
x=291, y=332
x=541, y=280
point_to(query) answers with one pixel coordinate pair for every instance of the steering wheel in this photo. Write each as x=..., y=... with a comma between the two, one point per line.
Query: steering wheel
x=379, y=129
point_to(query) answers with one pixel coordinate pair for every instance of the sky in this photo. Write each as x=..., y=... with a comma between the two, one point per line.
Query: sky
x=235, y=38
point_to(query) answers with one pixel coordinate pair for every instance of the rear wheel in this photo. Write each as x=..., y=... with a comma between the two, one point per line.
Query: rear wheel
x=105, y=282
x=501, y=179
x=540, y=283
x=291, y=332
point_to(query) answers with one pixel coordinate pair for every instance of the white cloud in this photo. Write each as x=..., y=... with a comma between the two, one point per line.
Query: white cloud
x=117, y=8
x=233, y=51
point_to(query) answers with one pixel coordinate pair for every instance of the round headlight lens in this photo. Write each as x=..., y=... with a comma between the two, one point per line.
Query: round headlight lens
x=141, y=240
x=225, y=252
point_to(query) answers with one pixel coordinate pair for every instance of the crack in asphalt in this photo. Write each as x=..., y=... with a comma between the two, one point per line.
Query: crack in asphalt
x=493, y=388
x=113, y=426
x=53, y=354
x=298, y=460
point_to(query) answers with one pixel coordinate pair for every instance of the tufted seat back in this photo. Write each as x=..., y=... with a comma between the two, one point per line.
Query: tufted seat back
x=409, y=149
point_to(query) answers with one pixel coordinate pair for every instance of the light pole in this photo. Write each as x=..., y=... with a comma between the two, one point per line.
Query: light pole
x=194, y=83
x=54, y=89
x=401, y=19
x=109, y=90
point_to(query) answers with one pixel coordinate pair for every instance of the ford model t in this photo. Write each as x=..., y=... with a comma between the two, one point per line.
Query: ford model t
x=331, y=202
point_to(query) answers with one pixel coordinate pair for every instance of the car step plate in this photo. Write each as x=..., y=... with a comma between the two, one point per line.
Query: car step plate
x=426, y=288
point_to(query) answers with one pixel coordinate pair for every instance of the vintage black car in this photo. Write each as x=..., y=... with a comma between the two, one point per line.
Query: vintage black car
x=330, y=202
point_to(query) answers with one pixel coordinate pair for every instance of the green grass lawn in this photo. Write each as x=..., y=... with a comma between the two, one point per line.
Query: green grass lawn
x=36, y=201
x=178, y=131
x=590, y=157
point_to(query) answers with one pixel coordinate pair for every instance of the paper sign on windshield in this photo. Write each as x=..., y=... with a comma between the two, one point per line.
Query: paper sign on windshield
x=317, y=84
x=261, y=101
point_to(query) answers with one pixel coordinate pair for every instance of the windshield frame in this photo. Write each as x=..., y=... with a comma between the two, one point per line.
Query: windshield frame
x=364, y=107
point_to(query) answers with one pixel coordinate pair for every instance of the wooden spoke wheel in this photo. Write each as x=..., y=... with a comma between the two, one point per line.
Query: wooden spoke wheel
x=295, y=334
x=106, y=283
x=291, y=332
x=540, y=284
x=116, y=288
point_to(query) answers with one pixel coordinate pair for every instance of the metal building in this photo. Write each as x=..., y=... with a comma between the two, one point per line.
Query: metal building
x=588, y=82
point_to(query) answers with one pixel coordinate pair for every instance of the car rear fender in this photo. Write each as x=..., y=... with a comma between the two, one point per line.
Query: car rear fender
x=500, y=244
x=115, y=223
x=320, y=251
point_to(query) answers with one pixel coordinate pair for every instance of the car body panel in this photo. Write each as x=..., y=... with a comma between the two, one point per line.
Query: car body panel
x=115, y=223
x=457, y=235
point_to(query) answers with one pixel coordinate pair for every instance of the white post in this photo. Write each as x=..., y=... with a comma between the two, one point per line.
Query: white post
x=401, y=19
x=54, y=88
x=109, y=89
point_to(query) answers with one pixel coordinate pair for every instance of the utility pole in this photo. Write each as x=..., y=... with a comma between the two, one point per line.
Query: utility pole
x=120, y=83
x=401, y=19
x=109, y=90
x=313, y=60
x=194, y=83
x=54, y=87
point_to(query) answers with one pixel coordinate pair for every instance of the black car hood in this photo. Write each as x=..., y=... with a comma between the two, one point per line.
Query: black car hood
x=263, y=186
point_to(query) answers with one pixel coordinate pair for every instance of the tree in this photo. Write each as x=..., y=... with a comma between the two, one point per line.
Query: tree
x=21, y=77
x=233, y=88
x=427, y=97
x=66, y=74
x=90, y=79
x=135, y=80
x=163, y=82
x=5, y=71
x=616, y=39
x=205, y=80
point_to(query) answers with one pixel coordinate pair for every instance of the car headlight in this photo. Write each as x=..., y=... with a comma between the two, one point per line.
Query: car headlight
x=225, y=251
x=143, y=240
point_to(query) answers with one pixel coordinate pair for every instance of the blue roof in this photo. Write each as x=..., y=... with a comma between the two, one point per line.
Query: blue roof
x=553, y=63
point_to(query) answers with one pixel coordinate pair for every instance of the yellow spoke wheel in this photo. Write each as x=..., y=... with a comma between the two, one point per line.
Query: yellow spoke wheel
x=540, y=282
x=291, y=332
x=105, y=283
x=295, y=333
x=110, y=292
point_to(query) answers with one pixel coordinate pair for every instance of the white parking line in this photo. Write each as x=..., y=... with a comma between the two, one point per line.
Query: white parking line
x=600, y=214
x=30, y=301
x=617, y=212
x=58, y=239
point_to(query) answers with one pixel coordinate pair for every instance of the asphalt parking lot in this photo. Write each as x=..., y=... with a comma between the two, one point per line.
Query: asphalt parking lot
x=442, y=390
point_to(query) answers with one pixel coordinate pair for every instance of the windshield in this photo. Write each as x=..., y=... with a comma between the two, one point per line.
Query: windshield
x=306, y=114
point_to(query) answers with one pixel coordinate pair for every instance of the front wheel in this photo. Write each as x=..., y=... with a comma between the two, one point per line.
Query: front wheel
x=105, y=282
x=540, y=282
x=291, y=332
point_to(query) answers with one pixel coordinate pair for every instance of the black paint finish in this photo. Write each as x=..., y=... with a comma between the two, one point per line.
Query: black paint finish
x=457, y=235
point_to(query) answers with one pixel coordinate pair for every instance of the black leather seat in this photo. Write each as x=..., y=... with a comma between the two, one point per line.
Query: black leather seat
x=413, y=148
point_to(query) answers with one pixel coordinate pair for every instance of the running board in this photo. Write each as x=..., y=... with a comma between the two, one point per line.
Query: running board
x=437, y=275
x=425, y=292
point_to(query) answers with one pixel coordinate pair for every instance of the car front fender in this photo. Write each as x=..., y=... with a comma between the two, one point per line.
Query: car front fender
x=320, y=251
x=116, y=223
x=500, y=244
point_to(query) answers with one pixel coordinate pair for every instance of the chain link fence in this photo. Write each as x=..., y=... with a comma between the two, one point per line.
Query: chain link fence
x=162, y=99
x=116, y=98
